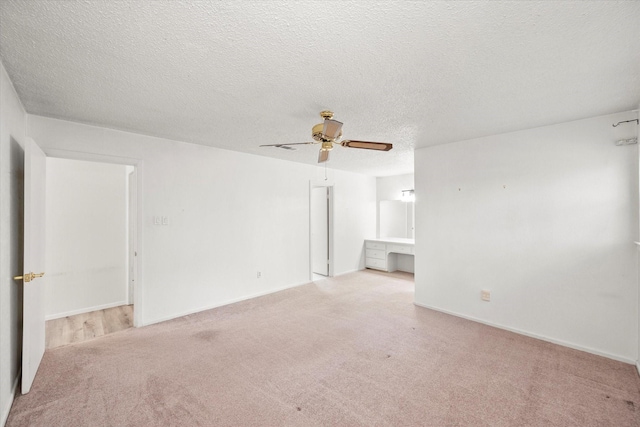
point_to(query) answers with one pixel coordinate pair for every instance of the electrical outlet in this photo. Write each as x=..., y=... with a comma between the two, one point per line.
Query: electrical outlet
x=259, y=274
x=485, y=295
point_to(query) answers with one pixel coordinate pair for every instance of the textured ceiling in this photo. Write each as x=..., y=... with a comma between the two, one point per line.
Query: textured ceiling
x=237, y=74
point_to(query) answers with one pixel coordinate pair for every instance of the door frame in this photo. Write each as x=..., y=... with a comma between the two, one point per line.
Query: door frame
x=132, y=241
x=138, y=167
x=330, y=227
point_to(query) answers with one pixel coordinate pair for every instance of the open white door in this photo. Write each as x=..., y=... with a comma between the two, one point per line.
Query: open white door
x=320, y=230
x=33, y=339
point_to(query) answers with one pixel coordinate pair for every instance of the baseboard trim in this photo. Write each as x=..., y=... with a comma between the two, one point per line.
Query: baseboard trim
x=85, y=310
x=234, y=300
x=537, y=336
x=12, y=396
x=221, y=304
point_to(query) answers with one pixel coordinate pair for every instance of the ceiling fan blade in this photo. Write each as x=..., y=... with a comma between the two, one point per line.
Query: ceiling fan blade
x=293, y=143
x=331, y=128
x=323, y=156
x=380, y=146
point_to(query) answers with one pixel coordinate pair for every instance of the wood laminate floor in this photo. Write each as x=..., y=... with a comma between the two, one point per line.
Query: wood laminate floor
x=84, y=326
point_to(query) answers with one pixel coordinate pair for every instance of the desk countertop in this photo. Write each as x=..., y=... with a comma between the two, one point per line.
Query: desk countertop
x=401, y=240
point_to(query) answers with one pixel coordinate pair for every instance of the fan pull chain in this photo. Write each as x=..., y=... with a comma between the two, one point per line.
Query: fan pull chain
x=325, y=171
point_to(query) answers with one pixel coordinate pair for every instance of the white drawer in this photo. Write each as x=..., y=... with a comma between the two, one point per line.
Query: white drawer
x=376, y=263
x=401, y=249
x=375, y=245
x=376, y=253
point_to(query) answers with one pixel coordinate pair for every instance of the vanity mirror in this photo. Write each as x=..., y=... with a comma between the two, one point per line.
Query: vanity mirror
x=396, y=219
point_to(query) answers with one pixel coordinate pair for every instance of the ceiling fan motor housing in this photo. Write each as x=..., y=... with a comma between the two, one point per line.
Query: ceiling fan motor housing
x=316, y=133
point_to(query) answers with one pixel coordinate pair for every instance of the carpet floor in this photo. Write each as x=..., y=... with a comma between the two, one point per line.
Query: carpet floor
x=346, y=351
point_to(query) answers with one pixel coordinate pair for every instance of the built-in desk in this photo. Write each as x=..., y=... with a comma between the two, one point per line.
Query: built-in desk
x=389, y=254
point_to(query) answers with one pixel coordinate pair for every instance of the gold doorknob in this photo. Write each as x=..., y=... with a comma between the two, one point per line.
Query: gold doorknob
x=28, y=277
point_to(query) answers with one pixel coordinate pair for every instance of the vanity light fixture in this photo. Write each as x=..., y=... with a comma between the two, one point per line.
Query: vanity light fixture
x=408, y=196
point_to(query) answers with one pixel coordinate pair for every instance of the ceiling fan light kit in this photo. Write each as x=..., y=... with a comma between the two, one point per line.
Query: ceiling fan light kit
x=329, y=132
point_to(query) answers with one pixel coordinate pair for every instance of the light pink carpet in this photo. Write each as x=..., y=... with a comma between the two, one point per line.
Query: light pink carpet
x=348, y=351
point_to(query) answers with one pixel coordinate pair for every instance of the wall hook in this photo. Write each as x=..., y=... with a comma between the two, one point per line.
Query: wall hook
x=626, y=121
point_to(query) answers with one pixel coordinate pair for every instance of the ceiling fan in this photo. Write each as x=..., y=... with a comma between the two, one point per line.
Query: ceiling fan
x=328, y=133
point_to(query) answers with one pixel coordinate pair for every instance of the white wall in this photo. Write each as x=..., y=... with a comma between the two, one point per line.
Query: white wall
x=12, y=136
x=230, y=215
x=86, y=242
x=354, y=218
x=545, y=219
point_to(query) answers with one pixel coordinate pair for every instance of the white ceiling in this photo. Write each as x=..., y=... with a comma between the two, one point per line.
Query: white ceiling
x=237, y=74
